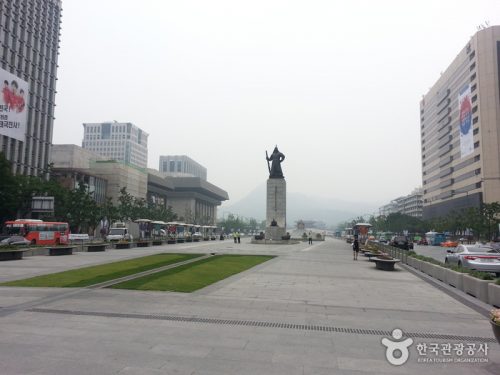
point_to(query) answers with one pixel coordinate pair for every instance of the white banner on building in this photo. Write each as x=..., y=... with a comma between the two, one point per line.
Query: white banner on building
x=13, y=106
x=465, y=121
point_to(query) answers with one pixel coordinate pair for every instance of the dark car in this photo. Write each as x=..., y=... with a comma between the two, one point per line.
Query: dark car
x=401, y=242
x=14, y=241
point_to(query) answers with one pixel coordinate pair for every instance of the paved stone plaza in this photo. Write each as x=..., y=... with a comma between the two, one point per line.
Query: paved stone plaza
x=311, y=310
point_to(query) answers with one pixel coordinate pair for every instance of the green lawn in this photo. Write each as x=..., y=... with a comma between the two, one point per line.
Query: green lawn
x=96, y=274
x=196, y=275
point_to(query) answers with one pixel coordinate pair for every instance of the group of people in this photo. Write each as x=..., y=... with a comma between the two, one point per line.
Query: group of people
x=237, y=237
x=11, y=98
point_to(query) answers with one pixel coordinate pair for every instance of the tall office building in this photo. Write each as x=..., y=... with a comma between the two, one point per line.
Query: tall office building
x=29, y=37
x=117, y=141
x=181, y=166
x=460, y=130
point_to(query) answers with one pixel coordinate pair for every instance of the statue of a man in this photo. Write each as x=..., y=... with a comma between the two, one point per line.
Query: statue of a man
x=276, y=158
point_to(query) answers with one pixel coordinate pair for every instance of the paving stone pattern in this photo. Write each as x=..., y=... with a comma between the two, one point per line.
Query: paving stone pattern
x=106, y=331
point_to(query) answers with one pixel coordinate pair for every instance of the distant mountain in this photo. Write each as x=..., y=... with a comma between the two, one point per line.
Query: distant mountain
x=299, y=206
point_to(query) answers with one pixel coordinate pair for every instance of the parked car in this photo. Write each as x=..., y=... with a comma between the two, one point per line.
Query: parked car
x=197, y=236
x=422, y=241
x=449, y=244
x=475, y=257
x=14, y=241
x=401, y=242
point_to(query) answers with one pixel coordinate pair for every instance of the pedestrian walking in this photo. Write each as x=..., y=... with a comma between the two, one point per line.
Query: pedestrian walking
x=310, y=238
x=238, y=236
x=234, y=237
x=355, y=248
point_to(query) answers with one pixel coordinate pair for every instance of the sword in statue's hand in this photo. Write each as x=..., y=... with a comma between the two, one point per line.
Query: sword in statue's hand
x=267, y=159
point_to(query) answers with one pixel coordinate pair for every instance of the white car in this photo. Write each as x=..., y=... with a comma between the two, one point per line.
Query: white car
x=14, y=241
x=119, y=234
x=475, y=257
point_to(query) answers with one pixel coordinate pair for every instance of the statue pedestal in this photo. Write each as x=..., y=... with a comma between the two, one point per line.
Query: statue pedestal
x=275, y=233
x=276, y=208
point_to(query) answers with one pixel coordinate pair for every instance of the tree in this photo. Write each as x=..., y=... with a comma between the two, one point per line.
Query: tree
x=490, y=218
x=8, y=190
x=125, y=205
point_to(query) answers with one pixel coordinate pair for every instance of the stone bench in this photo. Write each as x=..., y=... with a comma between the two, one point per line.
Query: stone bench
x=92, y=248
x=61, y=250
x=122, y=245
x=11, y=254
x=385, y=264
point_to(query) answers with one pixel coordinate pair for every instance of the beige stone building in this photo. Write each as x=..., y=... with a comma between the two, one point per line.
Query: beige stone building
x=193, y=199
x=460, y=130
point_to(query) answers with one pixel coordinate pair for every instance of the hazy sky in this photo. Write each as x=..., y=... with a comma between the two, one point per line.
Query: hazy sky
x=335, y=84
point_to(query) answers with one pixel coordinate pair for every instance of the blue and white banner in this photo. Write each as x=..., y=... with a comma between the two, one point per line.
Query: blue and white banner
x=465, y=122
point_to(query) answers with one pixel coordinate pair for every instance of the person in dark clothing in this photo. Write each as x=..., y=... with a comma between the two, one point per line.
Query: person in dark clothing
x=310, y=238
x=355, y=248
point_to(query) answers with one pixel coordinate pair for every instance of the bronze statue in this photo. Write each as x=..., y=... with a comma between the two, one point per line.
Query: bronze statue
x=276, y=158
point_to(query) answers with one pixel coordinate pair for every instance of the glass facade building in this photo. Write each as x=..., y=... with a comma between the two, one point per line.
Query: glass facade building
x=29, y=37
x=117, y=141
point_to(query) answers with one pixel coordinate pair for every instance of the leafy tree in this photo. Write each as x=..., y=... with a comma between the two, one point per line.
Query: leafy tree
x=8, y=190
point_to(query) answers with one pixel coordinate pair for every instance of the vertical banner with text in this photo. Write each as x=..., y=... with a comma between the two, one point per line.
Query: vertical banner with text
x=13, y=106
x=465, y=121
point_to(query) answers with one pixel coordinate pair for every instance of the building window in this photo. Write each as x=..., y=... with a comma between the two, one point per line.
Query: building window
x=476, y=144
x=476, y=131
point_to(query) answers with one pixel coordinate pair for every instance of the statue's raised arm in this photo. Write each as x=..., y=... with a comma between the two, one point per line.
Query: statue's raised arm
x=276, y=159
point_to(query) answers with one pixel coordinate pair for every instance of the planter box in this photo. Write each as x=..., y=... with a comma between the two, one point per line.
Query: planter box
x=417, y=263
x=454, y=278
x=64, y=250
x=122, y=245
x=413, y=262
x=476, y=287
x=440, y=273
x=95, y=248
x=494, y=294
x=435, y=271
x=143, y=243
x=425, y=267
x=13, y=254
x=157, y=242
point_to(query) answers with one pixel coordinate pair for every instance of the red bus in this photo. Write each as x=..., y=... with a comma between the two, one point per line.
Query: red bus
x=38, y=232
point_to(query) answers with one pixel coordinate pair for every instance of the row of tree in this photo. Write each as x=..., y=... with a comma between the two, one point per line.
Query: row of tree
x=233, y=222
x=75, y=206
x=481, y=223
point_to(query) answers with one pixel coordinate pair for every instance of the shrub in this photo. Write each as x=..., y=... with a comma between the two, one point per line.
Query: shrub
x=481, y=275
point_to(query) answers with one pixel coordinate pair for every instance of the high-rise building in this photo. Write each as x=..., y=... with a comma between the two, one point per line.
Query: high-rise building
x=410, y=205
x=460, y=130
x=29, y=37
x=181, y=166
x=117, y=141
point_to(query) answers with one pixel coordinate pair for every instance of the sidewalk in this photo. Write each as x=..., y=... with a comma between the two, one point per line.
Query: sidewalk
x=311, y=310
